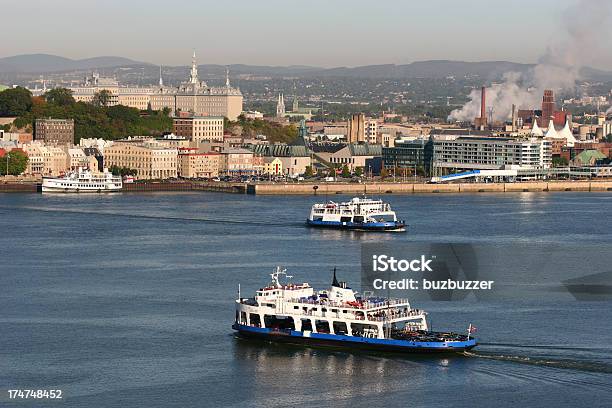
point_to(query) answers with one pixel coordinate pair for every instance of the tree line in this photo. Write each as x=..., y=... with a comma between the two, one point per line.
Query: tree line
x=91, y=120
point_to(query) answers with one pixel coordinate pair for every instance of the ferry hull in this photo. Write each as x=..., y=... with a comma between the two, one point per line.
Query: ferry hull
x=351, y=342
x=78, y=190
x=366, y=226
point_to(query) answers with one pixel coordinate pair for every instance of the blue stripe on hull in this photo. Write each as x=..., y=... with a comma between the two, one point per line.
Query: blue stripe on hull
x=374, y=226
x=292, y=336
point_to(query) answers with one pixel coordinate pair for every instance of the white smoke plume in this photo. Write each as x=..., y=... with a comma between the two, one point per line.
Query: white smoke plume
x=584, y=34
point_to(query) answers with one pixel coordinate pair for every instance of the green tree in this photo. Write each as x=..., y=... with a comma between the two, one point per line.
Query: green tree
x=384, y=173
x=17, y=162
x=559, y=161
x=308, y=172
x=359, y=171
x=345, y=171
x=59, y=96
x=15, y=101
x=101, y=98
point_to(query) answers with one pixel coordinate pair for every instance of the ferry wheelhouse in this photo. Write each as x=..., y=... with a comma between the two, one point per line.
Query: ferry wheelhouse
x=363, y=214
x=83, y=181
x=339, y=317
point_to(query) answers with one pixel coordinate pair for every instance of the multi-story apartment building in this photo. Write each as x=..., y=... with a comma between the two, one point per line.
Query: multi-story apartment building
x=199, y=128
x=466, y=152
x=149, y=158
x=192, y=164
x=54, y=131
x=371, y=131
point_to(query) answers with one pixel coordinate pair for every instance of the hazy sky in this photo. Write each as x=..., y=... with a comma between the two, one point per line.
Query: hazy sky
x=270, y=32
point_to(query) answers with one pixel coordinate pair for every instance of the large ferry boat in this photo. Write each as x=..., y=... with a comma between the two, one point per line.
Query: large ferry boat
x=362, y=214
x=82, y=181
x=339, y=317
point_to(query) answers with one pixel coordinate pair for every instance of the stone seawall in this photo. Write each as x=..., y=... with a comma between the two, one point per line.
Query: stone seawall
x=409, y=188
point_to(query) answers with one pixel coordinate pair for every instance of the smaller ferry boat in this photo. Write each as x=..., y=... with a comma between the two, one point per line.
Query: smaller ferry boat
x=362, y=214
x=339, y=317
x=82, y=181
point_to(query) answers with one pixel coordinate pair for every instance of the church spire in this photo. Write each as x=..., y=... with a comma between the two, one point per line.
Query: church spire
x=193, y=77
x=280, y=106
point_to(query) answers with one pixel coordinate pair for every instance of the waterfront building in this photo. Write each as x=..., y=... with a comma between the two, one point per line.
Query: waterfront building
x=76, y=158
x=194, y=164
x=453, y=152
x=45, y=159
x=237, y=162
x=199, y=128
x=353, y=155
x=97, y=143
x=408, y=154
x=272, y=166
x=54, y=131
x=150, y=159
x=294, y=158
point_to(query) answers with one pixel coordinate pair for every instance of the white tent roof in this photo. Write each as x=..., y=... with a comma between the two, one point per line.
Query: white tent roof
x=535, y=130
x=567, y=134
x=551, y=132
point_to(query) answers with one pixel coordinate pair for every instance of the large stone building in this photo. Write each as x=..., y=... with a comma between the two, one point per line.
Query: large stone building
x=197, y=97
x=193, y=96
x=150, y=159
x=54, y=131
x=132, y=96
x=199, y=128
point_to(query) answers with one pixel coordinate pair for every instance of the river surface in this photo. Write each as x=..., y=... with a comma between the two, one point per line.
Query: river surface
x=127, y=301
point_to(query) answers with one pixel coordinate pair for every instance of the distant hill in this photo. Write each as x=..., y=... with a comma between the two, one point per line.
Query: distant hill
x=41, y=63
x=28, y=65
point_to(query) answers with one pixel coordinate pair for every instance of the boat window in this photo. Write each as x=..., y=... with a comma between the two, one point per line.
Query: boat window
x=322, y=326
x=340, y=328
x=364, y=330
x=243, y=318
x=335, y=310
x=279, y=322
x=296, y=307
x=255, y=320
x=345, y=219
x=306, y=325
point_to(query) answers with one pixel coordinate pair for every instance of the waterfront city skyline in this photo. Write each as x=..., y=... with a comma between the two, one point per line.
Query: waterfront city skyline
x=318, y=33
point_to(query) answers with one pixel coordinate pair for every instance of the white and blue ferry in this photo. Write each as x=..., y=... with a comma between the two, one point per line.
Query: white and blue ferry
x=362, y=214
x=294, y=313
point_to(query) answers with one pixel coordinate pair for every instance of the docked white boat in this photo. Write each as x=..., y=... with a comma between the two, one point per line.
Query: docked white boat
x=362, y=214
x=83, y=181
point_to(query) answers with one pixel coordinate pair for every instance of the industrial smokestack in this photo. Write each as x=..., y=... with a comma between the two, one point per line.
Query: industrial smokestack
x=483, y=104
